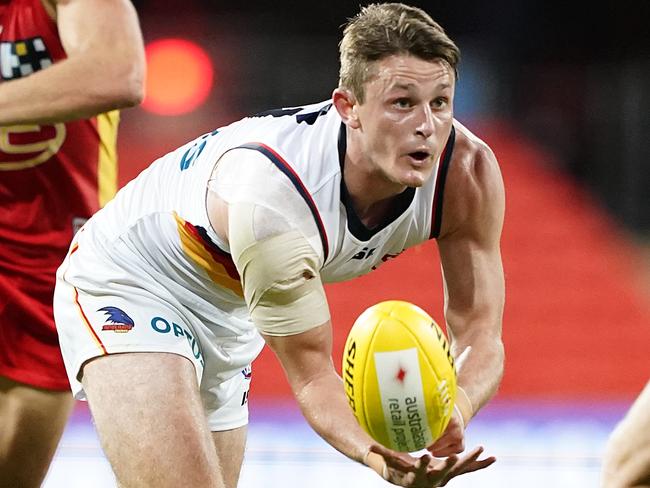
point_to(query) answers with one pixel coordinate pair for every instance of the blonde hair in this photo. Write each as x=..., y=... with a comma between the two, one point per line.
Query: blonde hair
x=382, y=30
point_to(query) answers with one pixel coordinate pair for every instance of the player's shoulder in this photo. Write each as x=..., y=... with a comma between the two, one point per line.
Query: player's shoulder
x=472, y=157
x=474, y=183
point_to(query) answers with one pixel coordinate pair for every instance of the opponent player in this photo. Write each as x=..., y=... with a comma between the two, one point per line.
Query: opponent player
x=62, y=62
x=166, y=293
x=627, y=458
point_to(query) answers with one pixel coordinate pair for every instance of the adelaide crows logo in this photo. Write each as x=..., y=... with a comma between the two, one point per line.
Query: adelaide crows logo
x=247, y=372
x=117, y=320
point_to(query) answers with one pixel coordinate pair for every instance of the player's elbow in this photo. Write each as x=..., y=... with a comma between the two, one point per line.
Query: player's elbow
x=123, y=85
x=499, y=358
x=492, y=355
x=130, y=91
x=132, y=95
x=486, y=344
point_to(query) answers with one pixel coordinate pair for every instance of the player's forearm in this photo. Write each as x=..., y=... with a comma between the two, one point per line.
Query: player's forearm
x=480, y=360
x=69, y=90
x=324, y=405
x=307, y=361
x=626, y=462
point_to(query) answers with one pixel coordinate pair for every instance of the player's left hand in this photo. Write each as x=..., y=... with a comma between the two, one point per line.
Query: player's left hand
x=452, y=441
x=426, y=471
x=464, y=464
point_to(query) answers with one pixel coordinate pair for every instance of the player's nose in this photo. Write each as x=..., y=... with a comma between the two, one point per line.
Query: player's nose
x=425, y=126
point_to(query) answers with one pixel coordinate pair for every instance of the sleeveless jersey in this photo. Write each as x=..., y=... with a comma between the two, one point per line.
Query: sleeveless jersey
x=158, y=223
x=52, y=176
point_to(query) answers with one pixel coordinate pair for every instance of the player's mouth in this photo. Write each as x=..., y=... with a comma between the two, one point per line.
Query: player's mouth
x=419, y=157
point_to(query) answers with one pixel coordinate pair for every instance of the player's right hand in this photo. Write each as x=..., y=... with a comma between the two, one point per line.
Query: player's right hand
x=452, y=441
x=402, y=469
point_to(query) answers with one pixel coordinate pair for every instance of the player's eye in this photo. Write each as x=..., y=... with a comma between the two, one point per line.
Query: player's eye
x=402, y=102
x=440, y=102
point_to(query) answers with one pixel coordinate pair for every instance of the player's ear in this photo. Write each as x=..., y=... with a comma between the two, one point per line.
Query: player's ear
x=346, y=105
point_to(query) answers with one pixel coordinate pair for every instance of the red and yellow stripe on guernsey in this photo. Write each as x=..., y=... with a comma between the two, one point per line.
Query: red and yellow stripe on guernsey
x=82, y=314
x=94, y=335
x=216, y=263
x=107, y=158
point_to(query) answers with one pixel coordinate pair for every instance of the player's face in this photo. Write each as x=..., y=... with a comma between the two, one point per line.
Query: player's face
x=406, y=117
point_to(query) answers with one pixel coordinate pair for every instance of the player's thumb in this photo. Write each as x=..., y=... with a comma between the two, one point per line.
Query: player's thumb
x=394, y=459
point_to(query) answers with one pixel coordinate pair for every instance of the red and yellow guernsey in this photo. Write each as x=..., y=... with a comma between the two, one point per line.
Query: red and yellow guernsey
x=52, y=176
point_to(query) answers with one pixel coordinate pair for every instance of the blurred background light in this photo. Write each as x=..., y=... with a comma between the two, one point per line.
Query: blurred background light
x=179, y=76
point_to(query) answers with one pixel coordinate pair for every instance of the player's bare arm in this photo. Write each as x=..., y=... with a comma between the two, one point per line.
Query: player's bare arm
x=306, y=356
x=626, y=461
x=104, y=69
x=473, y=211
x=306, y=359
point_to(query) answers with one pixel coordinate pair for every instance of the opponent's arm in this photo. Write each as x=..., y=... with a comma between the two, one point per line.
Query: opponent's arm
x=104, y=69
x=470, y=255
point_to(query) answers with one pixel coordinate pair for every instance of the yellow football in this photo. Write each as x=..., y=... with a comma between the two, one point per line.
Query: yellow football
x=399, y=375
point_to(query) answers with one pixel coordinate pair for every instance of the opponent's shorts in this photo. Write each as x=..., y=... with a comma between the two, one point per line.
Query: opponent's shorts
x=29, y=345
x=102, y=307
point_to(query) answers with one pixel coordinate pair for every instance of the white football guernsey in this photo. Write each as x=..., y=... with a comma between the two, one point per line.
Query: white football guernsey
x=149, y=261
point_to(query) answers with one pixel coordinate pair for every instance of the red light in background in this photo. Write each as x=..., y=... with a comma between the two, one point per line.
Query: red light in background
x=179, y=76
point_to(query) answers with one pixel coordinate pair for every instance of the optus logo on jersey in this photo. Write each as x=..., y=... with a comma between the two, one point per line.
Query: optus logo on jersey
x=163, y=326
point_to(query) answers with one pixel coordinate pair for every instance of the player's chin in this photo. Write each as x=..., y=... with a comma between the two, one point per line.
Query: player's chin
x=415, y=178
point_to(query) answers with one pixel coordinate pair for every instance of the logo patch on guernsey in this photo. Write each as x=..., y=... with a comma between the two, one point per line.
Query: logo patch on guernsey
x=247, y=372
x=25, y=146
x=22, y=58
x=117, y=320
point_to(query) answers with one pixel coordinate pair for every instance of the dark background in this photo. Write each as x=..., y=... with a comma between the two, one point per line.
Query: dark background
x=573, y=75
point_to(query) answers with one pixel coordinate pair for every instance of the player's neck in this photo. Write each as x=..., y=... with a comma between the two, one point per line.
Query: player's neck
x=371, y=194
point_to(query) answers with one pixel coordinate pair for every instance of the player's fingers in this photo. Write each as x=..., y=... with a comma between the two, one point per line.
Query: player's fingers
x=409, y=479
x=449, y=472
x=443, y=439
x=395, y=460
x=438, y=469
x=446, y=445
x=468, y=466
x=470, y=462
x=481, y=464
x=470, y=457
x=475, y=466
x=422, y=464
x=446, y=449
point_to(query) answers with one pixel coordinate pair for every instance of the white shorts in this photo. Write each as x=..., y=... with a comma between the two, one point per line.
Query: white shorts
x=102, y=308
